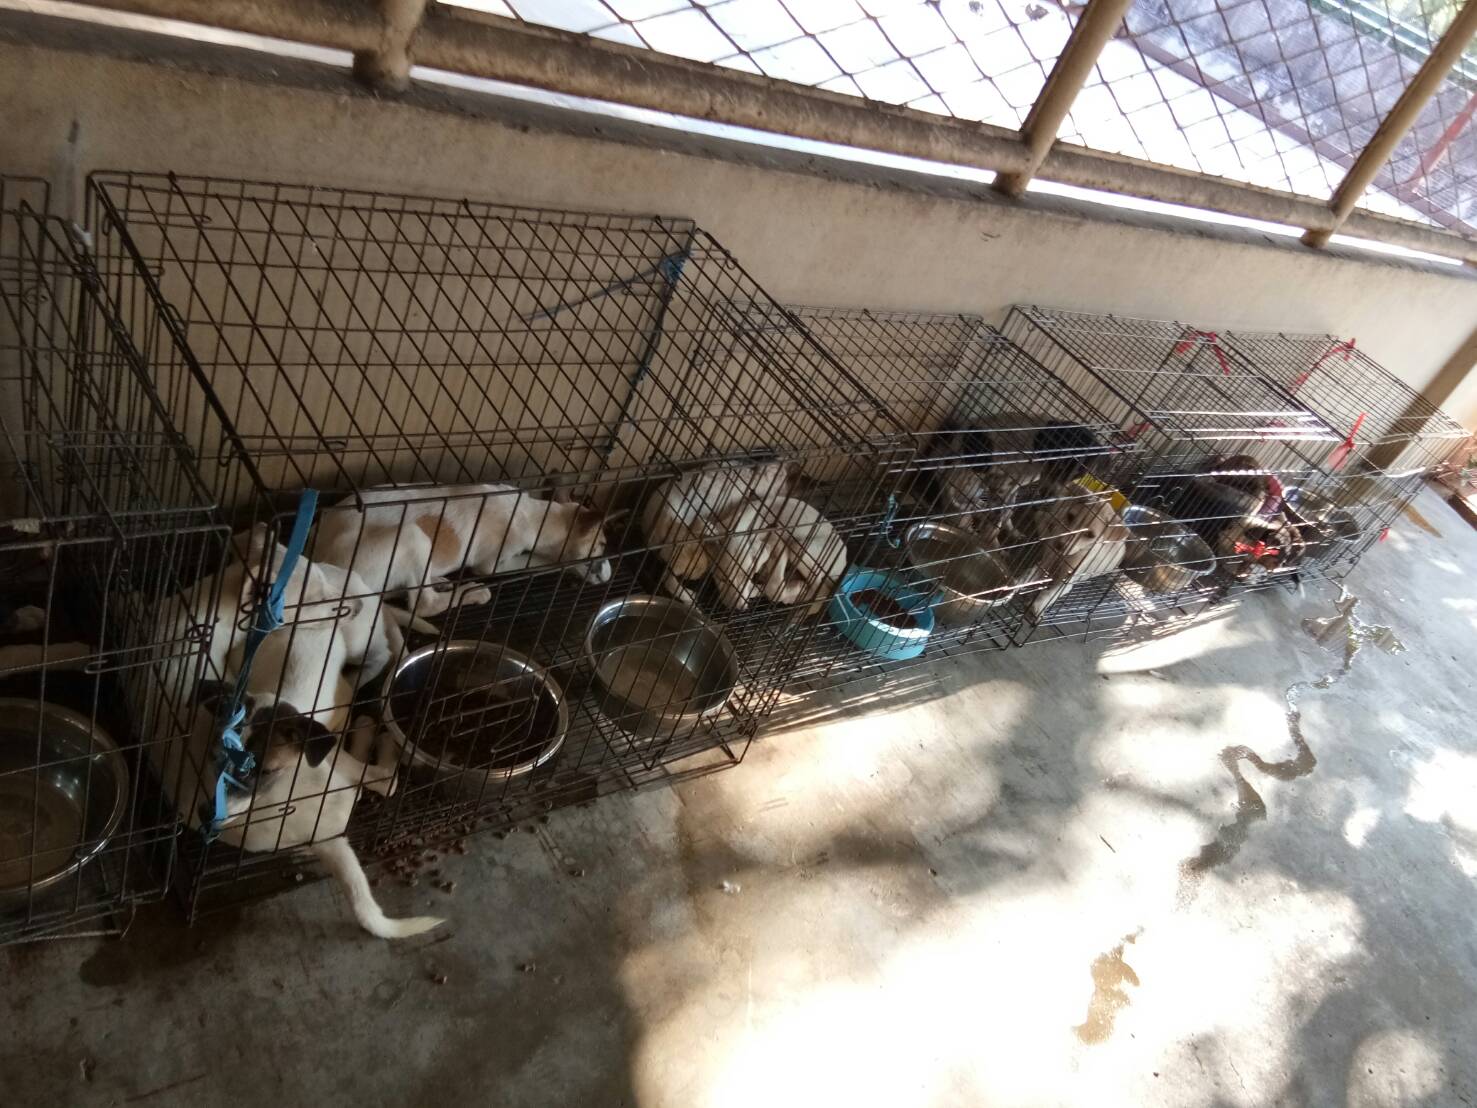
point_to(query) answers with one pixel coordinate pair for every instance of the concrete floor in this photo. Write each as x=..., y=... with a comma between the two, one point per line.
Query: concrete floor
x=986, y=896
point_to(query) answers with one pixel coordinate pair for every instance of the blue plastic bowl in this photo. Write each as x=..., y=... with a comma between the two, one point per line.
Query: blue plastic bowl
x=869, y=633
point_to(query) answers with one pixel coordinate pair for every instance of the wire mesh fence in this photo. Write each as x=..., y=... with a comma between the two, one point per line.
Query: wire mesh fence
x=1281, y=94
x=984, y=60
x=107, y=519
x=597, y=484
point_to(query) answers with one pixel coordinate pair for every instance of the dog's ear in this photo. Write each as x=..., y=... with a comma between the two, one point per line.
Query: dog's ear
x=292, y=727
x=318, y=741
x=560, y=494
x=211, y=695
x=612, y=518
x=281, y=729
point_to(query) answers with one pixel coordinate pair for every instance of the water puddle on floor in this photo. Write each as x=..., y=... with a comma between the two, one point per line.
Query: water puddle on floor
x=1421, y=521
x=1344, y=625
x=1110, y=973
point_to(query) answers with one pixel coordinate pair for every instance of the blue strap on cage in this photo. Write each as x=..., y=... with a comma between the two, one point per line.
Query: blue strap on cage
x=236, y=763
x=889, y=517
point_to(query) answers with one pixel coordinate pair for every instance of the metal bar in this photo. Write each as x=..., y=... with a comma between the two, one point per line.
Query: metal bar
x=1424, y=85
x=1097, y=25
x=478, y=45
x=387, y=68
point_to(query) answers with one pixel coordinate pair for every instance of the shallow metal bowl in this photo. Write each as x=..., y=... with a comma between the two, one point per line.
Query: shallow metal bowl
x=468, y=691
x=1334, y=523
x=1163, y=554
x=660, y=668
x=969, y=579
x=63, y=790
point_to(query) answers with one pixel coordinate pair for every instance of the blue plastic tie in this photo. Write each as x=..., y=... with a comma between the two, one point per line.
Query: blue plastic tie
x=236, y=764
x=889, y=517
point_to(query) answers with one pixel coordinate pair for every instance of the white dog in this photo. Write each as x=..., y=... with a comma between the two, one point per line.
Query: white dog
x=691, y=516
x=785, y=549
x=298, y=703
x=410, y=538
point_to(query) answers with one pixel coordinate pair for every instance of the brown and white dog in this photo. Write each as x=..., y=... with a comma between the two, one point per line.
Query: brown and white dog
x=410, y=539
x=691, y=517
x=1080, y=536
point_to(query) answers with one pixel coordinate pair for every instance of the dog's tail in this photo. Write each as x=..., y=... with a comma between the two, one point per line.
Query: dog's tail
x=339, y=858
x=403, y=619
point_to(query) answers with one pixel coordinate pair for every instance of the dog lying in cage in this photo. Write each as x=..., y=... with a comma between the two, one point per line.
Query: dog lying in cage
x=297, y=705
x=784, y=549
x=733, y=522
x=990, y=464
x=409, y=539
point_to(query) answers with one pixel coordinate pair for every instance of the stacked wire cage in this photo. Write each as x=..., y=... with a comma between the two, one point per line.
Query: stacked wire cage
x=1224, y=451
x=1391, y=437
x=614, y=483
x=104, y=516
x=992, y=522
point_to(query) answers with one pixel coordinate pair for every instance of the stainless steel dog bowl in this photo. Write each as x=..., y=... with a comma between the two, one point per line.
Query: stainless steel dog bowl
x=969, y=579
x=60, y=802
x=1163, y=554
x=1334, y=523
x=660, y=667
x=477, y=712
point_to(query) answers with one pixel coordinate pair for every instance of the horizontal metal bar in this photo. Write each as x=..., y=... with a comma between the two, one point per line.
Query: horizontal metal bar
x=479, y=45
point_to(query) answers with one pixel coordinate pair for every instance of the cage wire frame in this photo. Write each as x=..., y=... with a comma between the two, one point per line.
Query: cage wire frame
x=1220, y=443
x=1392, y=436
x=305, y=336
x=1007, y=456
x=108, y=517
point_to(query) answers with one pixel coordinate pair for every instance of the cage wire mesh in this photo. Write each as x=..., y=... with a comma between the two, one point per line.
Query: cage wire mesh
x=996, y=521
x=980, y=60
x=1392, y=437
x=1226, y=453
x=105, y=517
x=644, y=477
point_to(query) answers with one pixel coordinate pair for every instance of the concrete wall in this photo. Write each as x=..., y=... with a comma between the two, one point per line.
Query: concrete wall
x=811, y=231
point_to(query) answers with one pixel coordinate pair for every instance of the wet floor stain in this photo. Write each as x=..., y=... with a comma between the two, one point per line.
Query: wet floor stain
x=1110, y=975
x=1250, y=807
x=1343, y=628
x=1421, y=521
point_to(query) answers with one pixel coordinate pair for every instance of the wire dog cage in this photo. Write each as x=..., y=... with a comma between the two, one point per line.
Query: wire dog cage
x=995, y=518
x=598, y=482
x=106, y=517
x=1224, y=452
x=1392, y=437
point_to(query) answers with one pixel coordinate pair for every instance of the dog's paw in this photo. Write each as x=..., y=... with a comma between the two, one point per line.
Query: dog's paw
x=472, y=597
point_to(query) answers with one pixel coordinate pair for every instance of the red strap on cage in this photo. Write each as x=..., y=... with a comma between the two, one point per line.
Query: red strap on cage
x=1136, y=430
x=1385, y=534
x=1346, y=348
x=1256, y=549
x=1212, y=339
x=1341, y=452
